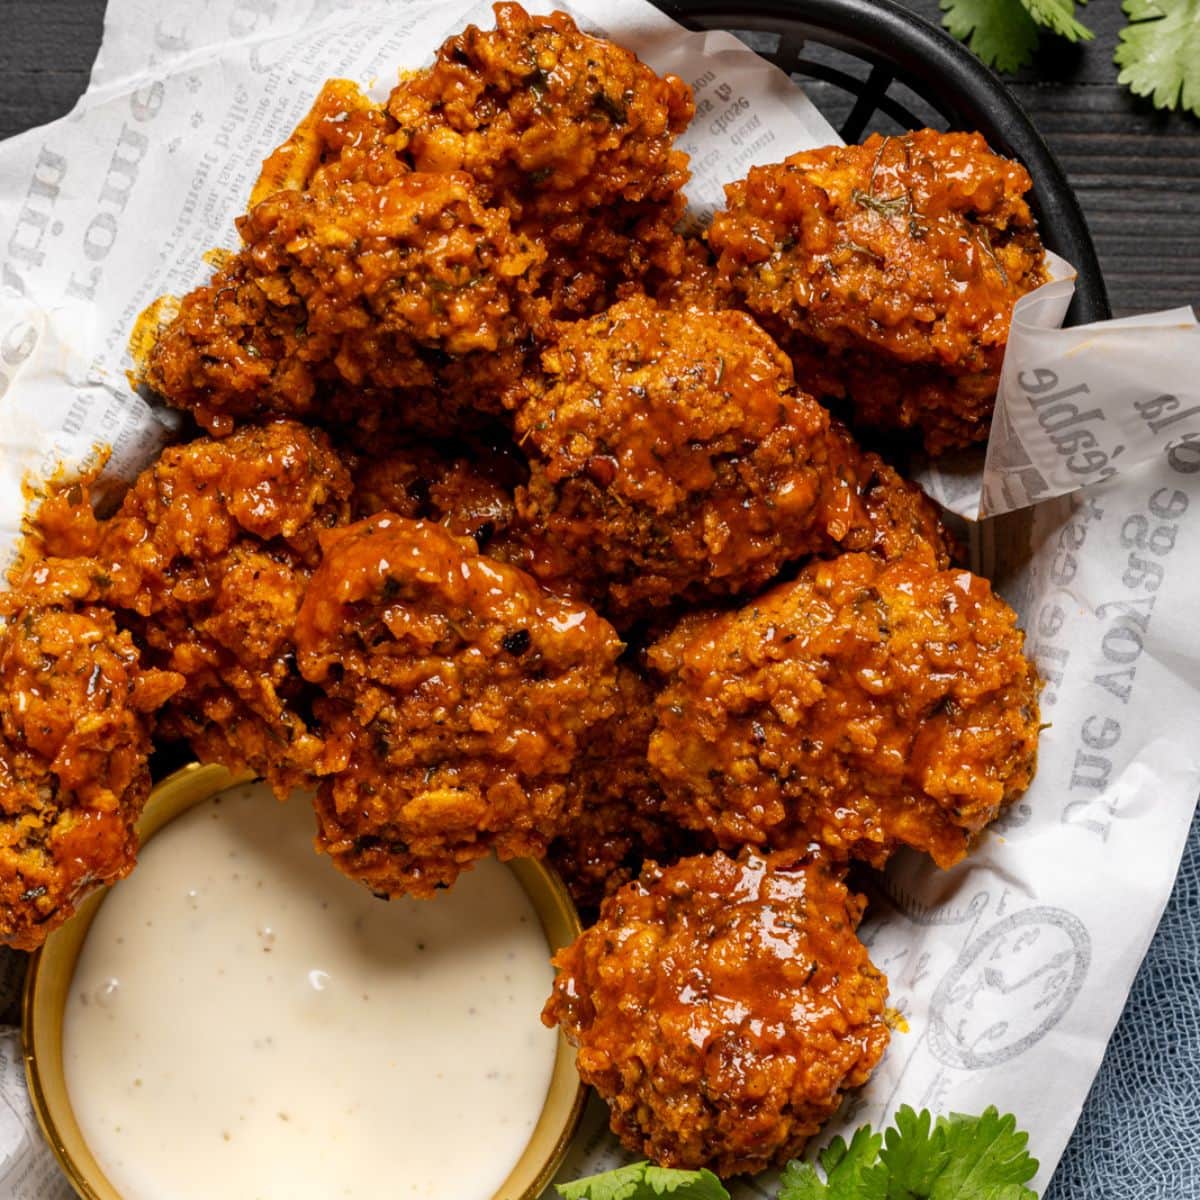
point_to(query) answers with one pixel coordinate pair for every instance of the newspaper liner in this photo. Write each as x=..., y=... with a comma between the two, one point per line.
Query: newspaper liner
x=1011, y=970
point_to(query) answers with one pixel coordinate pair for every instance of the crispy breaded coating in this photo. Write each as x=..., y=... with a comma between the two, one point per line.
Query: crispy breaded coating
x=458, y=695
x=345, y=138
x=864, y=706
x=407, y=256
x=570, y=133
x=722, y=1008
x=618, y=820
x=550, y=121
x=76, y=708
x=467, y=487
x=671, y=460
x=206, y=561
x=901, y=520
x=695, y=281
x=367, y=287
x=889, y=270
x=624, y=249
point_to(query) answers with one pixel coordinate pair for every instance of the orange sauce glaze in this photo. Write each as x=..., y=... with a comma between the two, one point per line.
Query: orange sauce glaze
x=458, y=692
x=75, y=724
x=890, y=271
x=671, y=459
x=863, y=706
x=721, y=1007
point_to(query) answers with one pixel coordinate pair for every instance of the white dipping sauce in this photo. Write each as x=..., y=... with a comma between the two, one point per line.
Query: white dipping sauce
x=245, y=1022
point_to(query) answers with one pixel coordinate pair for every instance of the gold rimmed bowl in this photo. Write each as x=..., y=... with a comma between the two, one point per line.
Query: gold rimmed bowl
x=52, y=969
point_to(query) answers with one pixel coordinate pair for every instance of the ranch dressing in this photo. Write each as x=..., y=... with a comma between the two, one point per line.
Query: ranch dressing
x=244, y=1022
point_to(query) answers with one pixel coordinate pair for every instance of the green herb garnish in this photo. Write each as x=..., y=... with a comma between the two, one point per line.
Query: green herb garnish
x=885, y=206
x=1158, y=51
x=644, y=1181
x=917, y=1158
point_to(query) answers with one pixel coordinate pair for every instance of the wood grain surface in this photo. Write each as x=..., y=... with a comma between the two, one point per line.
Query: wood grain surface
x=1137, y=175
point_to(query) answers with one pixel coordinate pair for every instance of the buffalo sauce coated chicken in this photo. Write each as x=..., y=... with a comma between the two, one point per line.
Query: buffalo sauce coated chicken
x=722, y=1007
x=889, y=270
x=381, y=287
x=468, y=487
x=672, y=460
x=345, y=138
x=616, y=804
x=552, y=122
x=414, y=251
x=864, y=706
x=476, y=402
x=438, y=699
x=76, y=716
x=900, y=520
x=206, y=562
x=571, y=134
x=456, y=696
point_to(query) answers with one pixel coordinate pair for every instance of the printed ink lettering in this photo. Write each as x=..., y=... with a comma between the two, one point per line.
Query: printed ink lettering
x=1163, y=412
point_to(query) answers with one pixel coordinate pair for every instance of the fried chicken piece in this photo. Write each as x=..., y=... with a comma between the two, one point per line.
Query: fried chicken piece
x=386, y=287
x=721, y=1008
x=620, y=821
x=889, y=270
x=402, y=255
x=550, y=122
x=671, y=460
x=625, y=249
x=468, y=488
x=345, y=138
x=864, y=706
x=458, y=696
x=76, y=708
x=694, y=281
x=902, y=522
x=572, y=134
x=206, y=561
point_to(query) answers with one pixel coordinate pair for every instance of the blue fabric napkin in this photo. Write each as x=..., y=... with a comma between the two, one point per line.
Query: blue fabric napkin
x=1139, y=1135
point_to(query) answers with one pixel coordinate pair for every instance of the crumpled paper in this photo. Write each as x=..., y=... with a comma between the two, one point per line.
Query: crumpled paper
x=1079, y=406
x=1010, y=970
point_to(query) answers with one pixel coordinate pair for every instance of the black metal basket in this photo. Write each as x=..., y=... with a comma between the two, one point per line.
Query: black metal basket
x=870, y=64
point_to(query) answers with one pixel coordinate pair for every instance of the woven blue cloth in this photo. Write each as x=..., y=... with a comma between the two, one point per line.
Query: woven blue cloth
x=1139, y=1135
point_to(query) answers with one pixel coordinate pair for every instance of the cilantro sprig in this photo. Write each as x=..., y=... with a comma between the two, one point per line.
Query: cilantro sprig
x=644, y=1181
x=1158, y=51
x=917, y=1158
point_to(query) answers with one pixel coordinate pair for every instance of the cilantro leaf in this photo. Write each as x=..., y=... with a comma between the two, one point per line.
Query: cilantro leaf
x=1059, y=17
x=918, y=1158
x=685, y=1185
x=1004, y=33
x=851, y=1172
x=987, y=1159
x=914, y=1154
x=1159, y=52
x=643, y=1181
x=1001, y=32
x=958, y=1158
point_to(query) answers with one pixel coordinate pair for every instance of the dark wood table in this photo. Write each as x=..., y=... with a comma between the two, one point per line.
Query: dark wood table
x=1137, y=174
